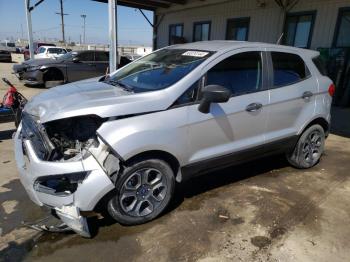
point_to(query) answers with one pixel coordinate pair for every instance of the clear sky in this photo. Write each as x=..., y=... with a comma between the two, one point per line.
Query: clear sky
x=132, y=26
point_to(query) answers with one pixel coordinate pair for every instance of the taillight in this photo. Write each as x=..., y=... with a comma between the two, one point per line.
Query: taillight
x=331, y=90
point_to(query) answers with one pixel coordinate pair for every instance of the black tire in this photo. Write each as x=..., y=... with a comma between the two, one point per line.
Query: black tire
x=135, y=180
x=53, y=74
x=309, y=148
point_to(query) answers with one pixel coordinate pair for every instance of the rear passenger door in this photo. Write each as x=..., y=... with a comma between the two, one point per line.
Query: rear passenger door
x=239, y=124
x=101, y=61
x=292, y=96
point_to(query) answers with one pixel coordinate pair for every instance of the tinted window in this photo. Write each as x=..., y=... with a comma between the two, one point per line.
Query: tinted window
x=241, y=73
x=201, y=31
x=237, y=29
x=101, y=56
x=321, y=65
x=86, y=56
x=288, y=68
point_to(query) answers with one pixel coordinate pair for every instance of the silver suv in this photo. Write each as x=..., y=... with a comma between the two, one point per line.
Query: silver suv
x=127, y=138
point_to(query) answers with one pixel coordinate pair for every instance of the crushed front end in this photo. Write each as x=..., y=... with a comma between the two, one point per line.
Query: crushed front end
x=61, y=166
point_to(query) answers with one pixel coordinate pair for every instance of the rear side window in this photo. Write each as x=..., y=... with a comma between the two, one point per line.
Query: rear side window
x=321, y=65
x=101, y=56
x=288, y=69
x=241, y=73
x=86, y=56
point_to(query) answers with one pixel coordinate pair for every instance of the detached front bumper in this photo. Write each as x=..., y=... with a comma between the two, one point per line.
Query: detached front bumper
x=89, y=191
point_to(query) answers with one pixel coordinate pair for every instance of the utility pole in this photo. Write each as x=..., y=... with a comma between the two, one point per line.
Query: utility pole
x=84, y=17
x=29, y=28
x=62, y=20
x=113, y=44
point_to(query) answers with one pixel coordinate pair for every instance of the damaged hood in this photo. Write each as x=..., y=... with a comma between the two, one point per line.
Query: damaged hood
x=92, y=97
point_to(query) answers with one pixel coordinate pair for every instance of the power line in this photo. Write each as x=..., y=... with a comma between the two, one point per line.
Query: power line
x=62, y=20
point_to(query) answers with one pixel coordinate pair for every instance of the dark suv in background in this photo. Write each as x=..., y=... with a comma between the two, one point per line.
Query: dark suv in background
x=73, y=66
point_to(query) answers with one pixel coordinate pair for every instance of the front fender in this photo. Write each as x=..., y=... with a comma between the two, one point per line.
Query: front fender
x=163, y=130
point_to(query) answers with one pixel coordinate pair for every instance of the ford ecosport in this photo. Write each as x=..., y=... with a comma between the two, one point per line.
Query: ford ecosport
x=180, y=111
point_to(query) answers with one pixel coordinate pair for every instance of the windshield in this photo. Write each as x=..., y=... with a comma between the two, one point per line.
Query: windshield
x=158, y=70
x=68, y=56
x=11, y=45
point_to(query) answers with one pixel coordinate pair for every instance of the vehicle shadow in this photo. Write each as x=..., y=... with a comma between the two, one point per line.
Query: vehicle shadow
x=199, y=185
x=6, y=134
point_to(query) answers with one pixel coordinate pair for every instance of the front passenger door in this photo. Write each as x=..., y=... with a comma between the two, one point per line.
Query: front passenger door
x=239, y=124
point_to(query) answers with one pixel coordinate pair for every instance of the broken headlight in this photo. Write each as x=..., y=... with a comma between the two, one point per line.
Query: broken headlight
x=59, y=185
x=71, y=136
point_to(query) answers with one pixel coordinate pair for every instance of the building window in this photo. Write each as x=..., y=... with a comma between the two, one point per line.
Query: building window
x=175, y=31
x=342, y=31
x=201, y=31
x=298, y=29
x=237, y=29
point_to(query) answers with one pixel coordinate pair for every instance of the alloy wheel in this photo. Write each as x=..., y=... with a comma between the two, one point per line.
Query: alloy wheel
x=142, y=192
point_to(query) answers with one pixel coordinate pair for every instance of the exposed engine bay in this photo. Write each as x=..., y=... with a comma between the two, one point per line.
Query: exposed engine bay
x=71, y=135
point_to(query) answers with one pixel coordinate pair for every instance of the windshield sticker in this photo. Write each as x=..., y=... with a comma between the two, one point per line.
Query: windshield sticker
x=195, y=53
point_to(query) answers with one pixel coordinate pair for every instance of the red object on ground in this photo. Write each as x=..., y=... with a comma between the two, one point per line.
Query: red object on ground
x=9, y=97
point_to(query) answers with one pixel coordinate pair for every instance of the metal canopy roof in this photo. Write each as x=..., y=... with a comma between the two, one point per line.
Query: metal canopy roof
x=147, y=4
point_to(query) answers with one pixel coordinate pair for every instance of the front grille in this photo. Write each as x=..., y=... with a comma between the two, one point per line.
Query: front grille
x=36, y=133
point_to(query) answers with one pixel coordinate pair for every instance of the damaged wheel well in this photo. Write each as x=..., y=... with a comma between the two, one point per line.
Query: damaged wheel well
x=159, y=154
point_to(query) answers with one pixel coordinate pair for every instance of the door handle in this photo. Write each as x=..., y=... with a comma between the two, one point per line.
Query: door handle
x=253, y=107
x=92, y=65
x=307, y=95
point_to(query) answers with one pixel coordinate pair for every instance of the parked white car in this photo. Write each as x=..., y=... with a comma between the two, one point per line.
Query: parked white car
x=50, y=52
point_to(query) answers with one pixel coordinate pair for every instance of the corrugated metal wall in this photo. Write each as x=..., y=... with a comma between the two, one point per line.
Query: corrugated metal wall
x=265, y=22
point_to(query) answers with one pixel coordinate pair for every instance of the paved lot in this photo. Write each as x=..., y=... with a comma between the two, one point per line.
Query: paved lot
x=260, y=211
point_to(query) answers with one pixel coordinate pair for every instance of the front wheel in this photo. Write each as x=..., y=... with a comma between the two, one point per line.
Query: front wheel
x=143, y=191
x=309, y=148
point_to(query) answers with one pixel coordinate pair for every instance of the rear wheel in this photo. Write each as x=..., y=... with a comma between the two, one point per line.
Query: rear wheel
x=143, y=191
x=309, y=148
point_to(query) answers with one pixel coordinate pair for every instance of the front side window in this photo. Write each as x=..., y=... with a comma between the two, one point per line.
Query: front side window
x=342, y=33
x=201, y=31
x=237, y=29
x=298, y=29
x=240, y=73
x=56, y=51
x=175, y=31
x=158, y=70
x=288, y=69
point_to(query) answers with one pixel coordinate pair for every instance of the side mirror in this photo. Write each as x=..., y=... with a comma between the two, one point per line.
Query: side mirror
x=76, y=60
x=213, y=94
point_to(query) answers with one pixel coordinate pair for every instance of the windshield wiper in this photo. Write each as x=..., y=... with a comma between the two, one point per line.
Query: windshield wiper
x=120, y=84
